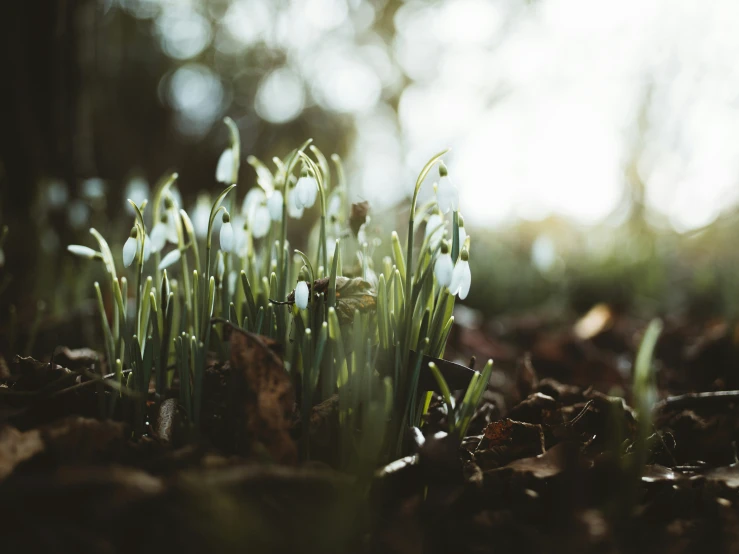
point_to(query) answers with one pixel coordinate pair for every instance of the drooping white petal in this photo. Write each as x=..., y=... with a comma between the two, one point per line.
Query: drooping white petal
x=130, y=247
x=274, y=205
x=253, y=199
x=172, y=228
x=260, y=224
x=76, y=249
x=461, y=279
x=447, y=195
x=147, y=248
x=301, y=295
x=158, y=236
x=434, y=230
x=224, y=170
x=201, y=216
x=227, y=237
x=295, y=211
x=170, y=259
x=307, y=188
x=443, y=269
x=334, y=206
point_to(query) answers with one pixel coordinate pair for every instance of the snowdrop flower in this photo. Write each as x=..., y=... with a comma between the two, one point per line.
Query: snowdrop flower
x=434, y=230
x=159, y=234
x=447, y=195
x=227, y=233
x=334, y=207
x=444, y=267
x=274, y=205
x=253, y=199
x=75, y=249
x=261, y=223
x=137, y=190
x=130, y=247
x=170, y=258
x=293, y=209
x=307, y=190
x=302, y=295
x=147, y=248
x=265, y=179
x=201, y=216
x=241, y=236
x=224, y=169
x=462, y=232
x=461, y=276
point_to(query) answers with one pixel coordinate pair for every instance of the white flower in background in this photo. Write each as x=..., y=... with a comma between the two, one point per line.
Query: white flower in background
x=434, y=230
x=265, y=179
x=444, y=266
x=274, y=205
x=227, y=233
x=461, y=276
x=293, y=210
x=447, y=195
x=147, y=248
x=201, y=216
x=170, y=258
x=130, y=247
x=260, y=224
x=334, y=207
x=241, y=235
x=159, y=234
x=224, y=169
x=307, y=190
x=171, y=215
x=462, y=232
x=302, y=295
x=76, y=249
x=93, y=188
x=137, y=189
x=253, y=199
x=331, y=246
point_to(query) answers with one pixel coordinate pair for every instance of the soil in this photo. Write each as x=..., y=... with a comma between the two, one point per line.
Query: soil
x=550, y=464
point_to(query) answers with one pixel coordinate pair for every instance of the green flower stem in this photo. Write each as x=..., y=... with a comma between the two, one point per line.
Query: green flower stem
x=160, y=190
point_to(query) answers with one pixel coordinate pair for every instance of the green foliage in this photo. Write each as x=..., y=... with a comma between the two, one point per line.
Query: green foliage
x=361, y=338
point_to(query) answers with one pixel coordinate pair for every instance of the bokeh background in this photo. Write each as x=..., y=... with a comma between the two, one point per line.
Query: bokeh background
x=595, y=144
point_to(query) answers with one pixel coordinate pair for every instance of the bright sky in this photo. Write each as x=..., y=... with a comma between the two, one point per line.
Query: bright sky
x=539, y=100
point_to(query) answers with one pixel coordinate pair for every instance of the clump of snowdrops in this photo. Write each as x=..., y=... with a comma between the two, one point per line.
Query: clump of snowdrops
x=358, y=333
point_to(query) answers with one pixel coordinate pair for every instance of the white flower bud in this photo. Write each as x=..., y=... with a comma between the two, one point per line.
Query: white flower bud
x=307, y=188
x=274, y=205
x=130, y=247
x=302, y=295
x=170, y=259
x=261, y=223
x=147, y=248
x=227, y=236
x=447, y=195
x=158, y=236
x=293, y=209
x=461, y=277
x=76, y=249
x=224, y=170
x=443, y=269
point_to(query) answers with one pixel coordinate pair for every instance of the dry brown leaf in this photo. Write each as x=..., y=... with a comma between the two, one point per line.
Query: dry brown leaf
x=261, y=397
